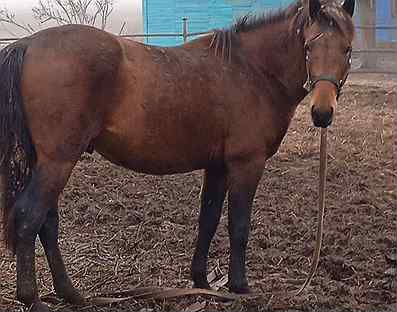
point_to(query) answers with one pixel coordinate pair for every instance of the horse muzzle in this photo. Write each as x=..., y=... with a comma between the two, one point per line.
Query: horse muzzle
x=323, y=103
x=322, y=118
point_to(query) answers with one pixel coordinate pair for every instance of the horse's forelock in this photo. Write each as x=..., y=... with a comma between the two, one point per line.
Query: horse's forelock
x=331, y=15
x=336, y=16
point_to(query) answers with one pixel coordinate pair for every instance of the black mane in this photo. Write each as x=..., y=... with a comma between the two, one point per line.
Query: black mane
x=250, y=22
x=330, y=12
x=331, y=15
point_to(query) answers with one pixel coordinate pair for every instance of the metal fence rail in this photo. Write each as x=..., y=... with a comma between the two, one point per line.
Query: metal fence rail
x=386, y=56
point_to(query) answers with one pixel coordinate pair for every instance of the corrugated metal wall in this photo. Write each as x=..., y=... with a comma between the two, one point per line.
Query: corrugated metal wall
x=165, y=16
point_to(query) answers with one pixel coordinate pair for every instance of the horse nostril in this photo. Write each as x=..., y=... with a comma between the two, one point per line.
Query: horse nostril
x=322, y=119
x=316, y=115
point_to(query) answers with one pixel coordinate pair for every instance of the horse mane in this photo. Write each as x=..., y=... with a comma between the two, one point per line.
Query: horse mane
x=250, y=22
x=331, y=15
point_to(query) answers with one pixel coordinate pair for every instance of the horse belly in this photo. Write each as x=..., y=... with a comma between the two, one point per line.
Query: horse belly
x=158, y=151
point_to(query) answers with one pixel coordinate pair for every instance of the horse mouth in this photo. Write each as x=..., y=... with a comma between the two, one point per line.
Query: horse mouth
x=322, y=119
x=321, y=123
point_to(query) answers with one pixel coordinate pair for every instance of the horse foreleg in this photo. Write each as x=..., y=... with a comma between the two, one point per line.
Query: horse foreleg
x=49, y=239
x=213, y=193
x=242, y=183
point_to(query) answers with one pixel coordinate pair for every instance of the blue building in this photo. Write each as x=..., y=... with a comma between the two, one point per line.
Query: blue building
x=165, y=16
x=386, y=14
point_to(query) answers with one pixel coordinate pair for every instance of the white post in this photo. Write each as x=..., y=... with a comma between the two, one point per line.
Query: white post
x=185, y=30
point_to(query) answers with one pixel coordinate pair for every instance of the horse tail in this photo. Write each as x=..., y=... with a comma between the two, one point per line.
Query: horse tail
x=17, y=153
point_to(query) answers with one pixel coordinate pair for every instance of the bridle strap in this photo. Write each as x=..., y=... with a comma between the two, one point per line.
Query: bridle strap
x=311, y=81
x=337, y=83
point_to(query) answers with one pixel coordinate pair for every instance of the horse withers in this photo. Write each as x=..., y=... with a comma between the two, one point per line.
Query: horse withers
x=221, y=103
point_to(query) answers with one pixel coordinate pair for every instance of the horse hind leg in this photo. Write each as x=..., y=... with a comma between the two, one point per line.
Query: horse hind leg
x=213, y=193
x=49, y=239
x=30, y=213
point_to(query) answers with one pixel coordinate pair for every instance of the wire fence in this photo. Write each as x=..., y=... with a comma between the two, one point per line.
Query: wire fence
x=383, y=59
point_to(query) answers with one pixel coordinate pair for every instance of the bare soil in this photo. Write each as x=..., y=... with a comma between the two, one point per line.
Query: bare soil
x=120, y=229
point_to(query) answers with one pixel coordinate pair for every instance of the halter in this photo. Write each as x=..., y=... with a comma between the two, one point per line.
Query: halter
x=312, y=80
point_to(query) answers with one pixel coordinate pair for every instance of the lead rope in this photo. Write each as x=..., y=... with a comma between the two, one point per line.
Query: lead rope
x=167, y=293
x=321, y=210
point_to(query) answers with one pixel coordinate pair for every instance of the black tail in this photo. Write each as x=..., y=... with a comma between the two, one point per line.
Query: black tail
x=17, y=154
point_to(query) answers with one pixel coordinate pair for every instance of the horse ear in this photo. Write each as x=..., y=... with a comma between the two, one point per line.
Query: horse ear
x=348, y=6
x=314, y=8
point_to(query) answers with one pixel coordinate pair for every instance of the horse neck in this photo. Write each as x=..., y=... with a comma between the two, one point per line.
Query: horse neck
x=274, y=52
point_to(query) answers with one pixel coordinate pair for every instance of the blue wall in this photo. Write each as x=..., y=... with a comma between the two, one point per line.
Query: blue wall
x=165, y=16
x=384, y=16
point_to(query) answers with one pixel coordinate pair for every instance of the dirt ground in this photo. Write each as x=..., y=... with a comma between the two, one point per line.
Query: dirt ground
x=120, y=229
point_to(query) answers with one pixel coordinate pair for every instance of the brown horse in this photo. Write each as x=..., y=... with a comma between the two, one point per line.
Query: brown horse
x=221, y=103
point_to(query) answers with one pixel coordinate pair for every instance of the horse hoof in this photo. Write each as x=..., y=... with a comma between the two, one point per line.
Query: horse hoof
x=240, y=289
x=202, y=285
x=200, y=280
x=39, y=307
x=74, y=298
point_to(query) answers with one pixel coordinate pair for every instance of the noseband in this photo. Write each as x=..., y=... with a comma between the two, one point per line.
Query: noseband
x=312, y=80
